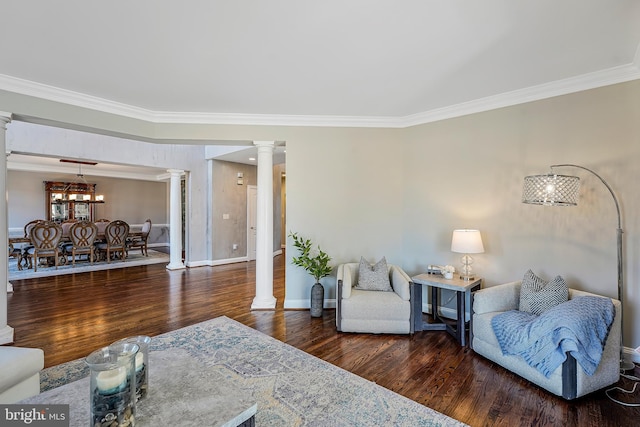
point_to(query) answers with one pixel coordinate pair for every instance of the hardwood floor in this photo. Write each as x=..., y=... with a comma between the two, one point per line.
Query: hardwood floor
x=69, y=316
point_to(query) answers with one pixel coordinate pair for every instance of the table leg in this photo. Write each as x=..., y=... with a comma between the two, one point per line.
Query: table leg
x=434, y=303
x=460, y=327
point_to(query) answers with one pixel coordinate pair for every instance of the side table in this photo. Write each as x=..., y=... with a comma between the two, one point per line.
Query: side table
x=463, y=288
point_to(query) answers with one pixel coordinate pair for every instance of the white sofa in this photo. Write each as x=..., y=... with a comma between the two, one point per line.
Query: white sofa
x=568, y=380
x=375, y=312
x=20, y=369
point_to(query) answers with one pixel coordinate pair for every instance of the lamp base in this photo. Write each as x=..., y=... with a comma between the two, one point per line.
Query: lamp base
x=466, y=278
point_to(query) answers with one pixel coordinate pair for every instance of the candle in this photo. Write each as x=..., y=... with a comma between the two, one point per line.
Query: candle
x=139, y=361
x=112, y=381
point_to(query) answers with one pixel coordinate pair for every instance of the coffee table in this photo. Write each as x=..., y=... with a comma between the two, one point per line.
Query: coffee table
x=463, y=289
x=183, y=390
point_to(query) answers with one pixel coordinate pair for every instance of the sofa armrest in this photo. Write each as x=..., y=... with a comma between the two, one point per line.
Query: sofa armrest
x=497, y=298
x=345, y=278
x=400, y=282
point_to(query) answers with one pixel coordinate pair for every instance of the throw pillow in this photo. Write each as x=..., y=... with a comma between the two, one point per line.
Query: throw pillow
x=374, y=277
x=537, y=295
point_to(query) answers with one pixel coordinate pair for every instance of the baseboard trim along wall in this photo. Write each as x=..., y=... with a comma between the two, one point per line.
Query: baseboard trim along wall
x=298, y=304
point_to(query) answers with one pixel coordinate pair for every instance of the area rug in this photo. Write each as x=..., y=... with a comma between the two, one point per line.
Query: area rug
x=135, y=258
x=291, y=387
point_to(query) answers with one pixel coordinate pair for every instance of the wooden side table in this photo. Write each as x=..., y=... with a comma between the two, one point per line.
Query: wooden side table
x=463, y=288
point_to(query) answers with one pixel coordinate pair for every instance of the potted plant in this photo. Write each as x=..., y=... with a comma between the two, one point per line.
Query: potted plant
x=316, y=263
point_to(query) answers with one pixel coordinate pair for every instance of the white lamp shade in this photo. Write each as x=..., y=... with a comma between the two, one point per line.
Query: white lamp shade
x=467, y=242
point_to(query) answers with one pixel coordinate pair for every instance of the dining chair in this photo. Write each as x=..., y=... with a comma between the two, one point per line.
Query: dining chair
x=17, y=254
x=83, y=235
x=102, y=225
x=142, y=240
x=25, y=248
x=115, y=235
x=45, y=237
x=66, y=227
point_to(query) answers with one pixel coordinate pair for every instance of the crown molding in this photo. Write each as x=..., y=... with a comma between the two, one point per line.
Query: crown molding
x=583, y=82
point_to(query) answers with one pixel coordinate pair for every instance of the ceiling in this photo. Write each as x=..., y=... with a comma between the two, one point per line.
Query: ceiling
x=332, y=62
x=371, y=63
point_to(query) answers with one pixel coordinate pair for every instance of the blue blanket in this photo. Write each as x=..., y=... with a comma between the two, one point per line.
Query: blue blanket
x=579, y=326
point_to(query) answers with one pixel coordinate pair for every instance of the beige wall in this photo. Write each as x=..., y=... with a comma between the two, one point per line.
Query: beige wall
x=231, y=199
x=402, y=196
x=401, y=192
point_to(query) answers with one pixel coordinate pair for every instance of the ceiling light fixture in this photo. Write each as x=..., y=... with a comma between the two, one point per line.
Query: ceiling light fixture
x=79, y=184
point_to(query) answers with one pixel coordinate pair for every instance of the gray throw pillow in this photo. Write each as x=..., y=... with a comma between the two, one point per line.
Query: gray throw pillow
x=537, y=295
x=374, y=277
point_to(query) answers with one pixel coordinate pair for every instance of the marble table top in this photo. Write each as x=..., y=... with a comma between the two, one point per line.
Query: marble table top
x=182, y=391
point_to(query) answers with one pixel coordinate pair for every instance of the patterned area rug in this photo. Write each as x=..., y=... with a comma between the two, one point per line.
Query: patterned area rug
x=134, y=258
x=291, y=387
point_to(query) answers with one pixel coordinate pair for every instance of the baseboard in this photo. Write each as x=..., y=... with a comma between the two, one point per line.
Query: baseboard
x=229, y=260
x=194, y=264
x=226, y=261
x=631, y=354
x=446, y=312
x=298, y=304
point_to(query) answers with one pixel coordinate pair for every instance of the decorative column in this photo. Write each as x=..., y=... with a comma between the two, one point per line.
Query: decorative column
x=175, y=221
x=6, y=332
x=264, y=299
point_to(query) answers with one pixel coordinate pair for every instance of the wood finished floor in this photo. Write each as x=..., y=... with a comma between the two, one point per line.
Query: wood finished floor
x=69, y=316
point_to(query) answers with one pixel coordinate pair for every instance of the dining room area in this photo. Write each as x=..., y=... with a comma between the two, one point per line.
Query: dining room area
x=63, y=220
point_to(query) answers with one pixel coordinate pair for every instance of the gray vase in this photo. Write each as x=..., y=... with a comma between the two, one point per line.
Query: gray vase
x=317, y=300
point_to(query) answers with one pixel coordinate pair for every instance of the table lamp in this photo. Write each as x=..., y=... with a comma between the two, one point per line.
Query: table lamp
x=466, y=242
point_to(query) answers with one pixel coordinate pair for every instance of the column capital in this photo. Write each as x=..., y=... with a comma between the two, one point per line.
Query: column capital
x=265, y=144
x=175, y=171
x=5, y=118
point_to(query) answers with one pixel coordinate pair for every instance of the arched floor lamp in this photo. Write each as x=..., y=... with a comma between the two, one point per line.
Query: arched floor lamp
x=562, y=190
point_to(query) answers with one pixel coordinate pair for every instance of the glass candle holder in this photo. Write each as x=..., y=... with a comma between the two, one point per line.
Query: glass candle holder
x=112, y=385
x=141, y=364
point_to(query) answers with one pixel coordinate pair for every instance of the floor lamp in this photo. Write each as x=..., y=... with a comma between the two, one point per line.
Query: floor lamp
x=562, y=190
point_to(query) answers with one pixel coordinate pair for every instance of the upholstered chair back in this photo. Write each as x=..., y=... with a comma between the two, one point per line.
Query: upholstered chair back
x=116, y=233
x=45, y=235
x=83, y=234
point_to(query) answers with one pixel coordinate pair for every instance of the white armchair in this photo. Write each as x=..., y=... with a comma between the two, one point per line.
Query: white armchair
x=377, y=312
x=568, y=380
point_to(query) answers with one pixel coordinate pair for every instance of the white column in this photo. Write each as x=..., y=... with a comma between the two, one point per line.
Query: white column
x=175, y=221
x=264, y=299
x=6, y=331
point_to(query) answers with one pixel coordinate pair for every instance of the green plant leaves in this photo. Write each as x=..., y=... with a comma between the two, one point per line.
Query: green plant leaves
x=315, y=263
